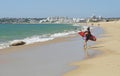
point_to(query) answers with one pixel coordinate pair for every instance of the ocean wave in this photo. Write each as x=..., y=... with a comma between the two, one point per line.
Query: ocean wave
x=34, y=39
x=76, y=25
x=4, y=45
x=84, y=28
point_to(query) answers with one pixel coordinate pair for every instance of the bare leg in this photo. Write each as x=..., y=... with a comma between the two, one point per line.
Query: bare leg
x=85, y=44
x=85, y=49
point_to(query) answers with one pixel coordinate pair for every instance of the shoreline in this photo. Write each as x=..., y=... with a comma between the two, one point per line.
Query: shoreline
x=56, y=40
x=53, y=41
x=36, y=35
x=106, y=64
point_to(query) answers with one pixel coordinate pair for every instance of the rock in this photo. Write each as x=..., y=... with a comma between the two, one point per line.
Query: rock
x=17, y=43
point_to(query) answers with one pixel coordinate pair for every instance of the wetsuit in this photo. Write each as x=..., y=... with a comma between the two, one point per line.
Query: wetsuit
x=88, y=35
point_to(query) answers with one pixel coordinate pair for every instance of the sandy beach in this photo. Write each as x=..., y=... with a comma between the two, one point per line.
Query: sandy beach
x=107, y=64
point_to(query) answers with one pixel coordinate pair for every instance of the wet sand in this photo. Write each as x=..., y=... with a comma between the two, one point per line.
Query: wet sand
x=51, y=58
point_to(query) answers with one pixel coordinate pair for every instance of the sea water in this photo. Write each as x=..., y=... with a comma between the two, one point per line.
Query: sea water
x=31, y=33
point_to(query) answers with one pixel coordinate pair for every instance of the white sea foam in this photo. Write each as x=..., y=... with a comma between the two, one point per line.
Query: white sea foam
x=84, y=28
x=4, y=45
x=34, y=39
x=43, y=38
x=76, y=25
x=62, y=34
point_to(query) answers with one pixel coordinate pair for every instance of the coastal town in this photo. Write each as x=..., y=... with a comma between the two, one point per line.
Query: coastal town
x=55, y=20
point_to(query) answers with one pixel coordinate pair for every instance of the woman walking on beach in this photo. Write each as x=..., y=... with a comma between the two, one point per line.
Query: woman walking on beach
x=87, y=36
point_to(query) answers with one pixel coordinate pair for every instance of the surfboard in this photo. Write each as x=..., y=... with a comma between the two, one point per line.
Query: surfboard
x=92, y=37
x=81, y=34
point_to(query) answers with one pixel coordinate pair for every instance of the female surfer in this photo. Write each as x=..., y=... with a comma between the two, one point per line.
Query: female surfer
x=87, y=35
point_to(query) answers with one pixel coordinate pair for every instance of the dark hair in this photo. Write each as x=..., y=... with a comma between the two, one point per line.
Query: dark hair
x=88, y=28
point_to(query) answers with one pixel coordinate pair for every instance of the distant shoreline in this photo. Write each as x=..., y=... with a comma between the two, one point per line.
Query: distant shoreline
x=40, y=23
x=55, y=20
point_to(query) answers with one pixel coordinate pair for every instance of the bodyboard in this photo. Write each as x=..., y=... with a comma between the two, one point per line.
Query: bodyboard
x=92, y=38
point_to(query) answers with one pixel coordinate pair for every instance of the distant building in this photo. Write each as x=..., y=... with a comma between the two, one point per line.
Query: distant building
x=95, y=19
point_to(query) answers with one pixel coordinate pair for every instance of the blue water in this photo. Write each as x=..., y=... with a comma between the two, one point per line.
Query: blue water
x=31, y=33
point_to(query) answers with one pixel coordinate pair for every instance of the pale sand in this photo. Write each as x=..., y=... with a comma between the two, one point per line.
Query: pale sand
x=107, y=64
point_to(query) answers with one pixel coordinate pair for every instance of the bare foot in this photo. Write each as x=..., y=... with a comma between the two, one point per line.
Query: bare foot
x=86, y=56
x=86, y=52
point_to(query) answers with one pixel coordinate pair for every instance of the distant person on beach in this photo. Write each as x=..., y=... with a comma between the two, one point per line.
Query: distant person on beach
x=87, y=36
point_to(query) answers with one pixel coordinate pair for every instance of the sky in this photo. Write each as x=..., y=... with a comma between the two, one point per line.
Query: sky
x=69, y=8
